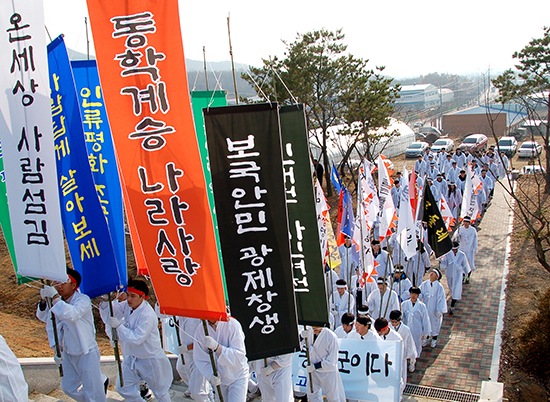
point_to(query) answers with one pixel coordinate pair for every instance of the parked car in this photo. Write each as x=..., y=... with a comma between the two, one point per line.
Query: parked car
x=474, y=142
x=531, y=169
x=416, y=148
x=443, y=144
x=508, y=145
x=529, y=149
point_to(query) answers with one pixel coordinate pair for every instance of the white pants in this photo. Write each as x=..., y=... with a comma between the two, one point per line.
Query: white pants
x=236, y=391
x=155, y=371
x=277, y=387
x=328, y=382
x=83, y=370
x=197, y=383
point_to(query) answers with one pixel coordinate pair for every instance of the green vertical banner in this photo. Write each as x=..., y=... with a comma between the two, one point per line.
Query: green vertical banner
x=203, y=100
x=309, y=281
x=5, y=219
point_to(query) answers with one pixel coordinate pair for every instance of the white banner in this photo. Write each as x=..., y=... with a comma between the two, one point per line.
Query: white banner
x=27, y=143
x=370, y=370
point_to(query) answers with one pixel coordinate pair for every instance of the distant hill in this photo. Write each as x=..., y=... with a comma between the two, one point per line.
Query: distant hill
x=220, y=75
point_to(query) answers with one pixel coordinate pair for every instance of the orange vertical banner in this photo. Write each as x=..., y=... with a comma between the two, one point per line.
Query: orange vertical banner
x=142, y=69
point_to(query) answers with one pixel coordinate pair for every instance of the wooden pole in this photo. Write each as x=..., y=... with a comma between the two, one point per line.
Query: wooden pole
x=55, y=335
x=308, y=363
x=211, y=353
x=114, y=337
x=232, y=62
x=205, y=72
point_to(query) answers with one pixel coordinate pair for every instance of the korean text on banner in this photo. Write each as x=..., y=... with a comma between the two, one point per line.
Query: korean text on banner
x=86, y=229
x=27, y=143
x=141, y=65
x=101, y=155
x=370, y=370
x=244, y=146
x=309, y=281
x=199, y=101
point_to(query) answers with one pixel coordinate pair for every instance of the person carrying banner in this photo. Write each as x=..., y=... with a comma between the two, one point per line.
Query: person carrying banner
x=433, y=296
x=409, y=348
x=418, y=264
x=347, y=266
x=226, y=340
x=136, y=325
x=456, y=266
x=348, y=320
x=323, y=367
x=13, y=387
x=274, y=376
x=383, y=300
x=401, y=284
x=82, y=379
x=341, y=302
x=466, y=236
x=415, y=316
x=383, y=258
x=387, y=333
x=363, y=329
x=199, y=387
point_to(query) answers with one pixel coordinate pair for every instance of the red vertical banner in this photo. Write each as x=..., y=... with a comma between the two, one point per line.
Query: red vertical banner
x=142, y=69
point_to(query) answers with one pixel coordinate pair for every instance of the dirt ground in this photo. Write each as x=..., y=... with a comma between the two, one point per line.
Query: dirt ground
x=26, y=335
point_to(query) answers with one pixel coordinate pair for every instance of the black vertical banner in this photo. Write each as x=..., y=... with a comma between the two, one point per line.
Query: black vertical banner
x=309, y=281
x=244, y=147
x=438, y=236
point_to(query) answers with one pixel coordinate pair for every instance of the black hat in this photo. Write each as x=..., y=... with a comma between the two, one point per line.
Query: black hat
x=396, y=315
x=414, y=289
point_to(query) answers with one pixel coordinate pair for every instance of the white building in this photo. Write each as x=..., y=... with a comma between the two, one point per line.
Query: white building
x=424, y=96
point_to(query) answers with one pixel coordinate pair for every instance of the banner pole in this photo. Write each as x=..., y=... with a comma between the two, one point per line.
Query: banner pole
x=391, y=280
x=308, y=362
x=349, y=276
x=114, y=337
x=385, y=270
x=211, y=353
x=55, y=334
x=178, y=337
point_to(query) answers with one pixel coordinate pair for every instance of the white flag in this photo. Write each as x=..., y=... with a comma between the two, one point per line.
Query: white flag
x=387, y=209
x=406, y=231
x=469, y=199
x=28, y=142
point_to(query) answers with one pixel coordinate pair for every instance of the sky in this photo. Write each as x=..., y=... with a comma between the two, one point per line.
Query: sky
x=409, y=38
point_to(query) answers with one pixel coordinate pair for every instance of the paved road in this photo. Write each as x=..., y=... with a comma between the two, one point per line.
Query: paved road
x=462, y=358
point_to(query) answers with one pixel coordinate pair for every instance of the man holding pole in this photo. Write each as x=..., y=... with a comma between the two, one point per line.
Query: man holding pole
x=220, y=356
x=136, y=325
x=82, y=379
x=323, y=366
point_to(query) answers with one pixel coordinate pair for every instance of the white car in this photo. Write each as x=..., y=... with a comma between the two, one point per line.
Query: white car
x=531, y=169
x=529, y=149
x=443, y=144
x=508, y=145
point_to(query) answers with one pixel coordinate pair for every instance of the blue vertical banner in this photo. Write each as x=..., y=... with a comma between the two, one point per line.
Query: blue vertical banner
x=101, y=155
x=85, y=226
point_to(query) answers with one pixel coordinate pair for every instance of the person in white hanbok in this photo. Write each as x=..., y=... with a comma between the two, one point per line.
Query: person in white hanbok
x=385, y=267
x=274, y=376
x=13, y=387
x=348, y=321
x=409, y=348
x=387, y=333
x=401, y=284
x=136, y=325
x=199, y=387
x=415, y=316
x=454, y=199
x=456, y=268
x=383, y=300
x=433, y=296
x=363, y=329
x=323, y=367
x=347, y=266
x=226, y=340
x=341, y=302
x=417, y=264
x=82, y=379
x=466, y=236
x=460, y=159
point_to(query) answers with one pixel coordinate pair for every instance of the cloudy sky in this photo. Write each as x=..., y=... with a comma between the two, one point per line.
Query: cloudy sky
x=408, y=37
